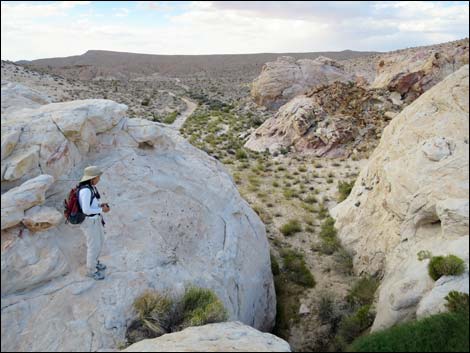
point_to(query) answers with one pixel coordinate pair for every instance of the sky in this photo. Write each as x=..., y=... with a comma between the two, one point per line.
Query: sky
x=42, y=29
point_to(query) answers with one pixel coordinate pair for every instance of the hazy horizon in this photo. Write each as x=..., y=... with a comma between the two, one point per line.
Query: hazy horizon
x=45, y=29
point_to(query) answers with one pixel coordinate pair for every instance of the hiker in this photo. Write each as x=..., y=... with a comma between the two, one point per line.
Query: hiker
x=92, y=226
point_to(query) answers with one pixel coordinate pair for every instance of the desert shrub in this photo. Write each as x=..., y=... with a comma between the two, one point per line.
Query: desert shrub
x=170, y=118
x=155, y=311
x=323, y=211
x=424, y=254
x=344, y=189
x=328, y=228
x=457, y=301
x=353, y=325
x=330, y=242
x=295, y=266
x=291, y=227
x=201, y=306
x=311, y=199
x=363, y=290
x=325, y=307
x=328, y=246
x=448, y=332
x=274, y=265
x=344, y=261
x=241, y=154
x=449, y=265
x=158, y=313
x=145, y=102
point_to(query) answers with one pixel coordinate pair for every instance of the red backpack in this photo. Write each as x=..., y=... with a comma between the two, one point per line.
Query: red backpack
x=72, y=211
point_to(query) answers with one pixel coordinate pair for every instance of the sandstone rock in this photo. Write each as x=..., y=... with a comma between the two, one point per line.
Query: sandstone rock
x=17, y=200
x=16, y=96
x=412, y=72
x=222, y=337
x=176, y=219
x=327, y=121
x=28, y=261
x=304, y=310
x=434, y=301
x=285, y=78
x=413, y=196
x=9, y=141
x=41, y=218
x=55, y=137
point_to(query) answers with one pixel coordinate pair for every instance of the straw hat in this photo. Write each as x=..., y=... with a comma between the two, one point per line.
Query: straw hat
x=91, y=172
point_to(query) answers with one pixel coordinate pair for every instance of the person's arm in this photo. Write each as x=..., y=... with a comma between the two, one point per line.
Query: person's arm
x=85, y=198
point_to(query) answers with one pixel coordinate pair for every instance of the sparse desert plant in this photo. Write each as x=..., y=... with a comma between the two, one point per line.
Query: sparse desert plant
x=344, y=261
x=363, y=291
x=353, y=325
x=275, y=265
x=424, y=254
x=155, y=311
x=170, y=118
x=311, y=199
x=449, y=265
x=325, y=308
x=291, y=227
x=344, y=189
x=457, y=302
x=201, y=306
x=298, y=272
x=241, y=154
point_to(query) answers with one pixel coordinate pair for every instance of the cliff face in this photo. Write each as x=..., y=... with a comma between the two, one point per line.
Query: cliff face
x=412, y=196
x=176, y=219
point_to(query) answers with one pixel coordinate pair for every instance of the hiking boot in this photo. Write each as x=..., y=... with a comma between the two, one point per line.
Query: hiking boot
x=97, y=276
x=100, y=266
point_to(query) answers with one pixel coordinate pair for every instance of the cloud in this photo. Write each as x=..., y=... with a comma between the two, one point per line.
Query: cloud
x=121, y=12
x=31, y=30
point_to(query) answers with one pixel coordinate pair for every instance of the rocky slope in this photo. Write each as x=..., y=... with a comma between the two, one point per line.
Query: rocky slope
x=285, y=78
x=412, y=196
x=335, y=118
x=176, y=219
x=223, y=337
x=331, y=120
x=411, y=72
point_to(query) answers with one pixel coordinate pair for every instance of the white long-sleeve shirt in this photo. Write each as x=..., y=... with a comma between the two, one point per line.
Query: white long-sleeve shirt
x=84, y=197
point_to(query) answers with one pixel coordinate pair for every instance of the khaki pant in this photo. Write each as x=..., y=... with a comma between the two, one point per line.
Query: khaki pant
x=93, y=231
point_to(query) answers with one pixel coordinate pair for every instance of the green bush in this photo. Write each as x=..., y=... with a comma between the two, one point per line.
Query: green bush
x=330, y=242
x=363, y=291
x=344, y=189
x=170, y=118
x=298, y=272
x=274, y=265
x=311, y=199
x=449, y=265
x=344, y=261
x=326, y=310
x=328, y=228
x=457, y=301
x=424, y=254
x=241, y=154
x=353, y=325
x=328, y=246
x=201, y=306
x=291, y=227
x=448, y=332
x=158, y=314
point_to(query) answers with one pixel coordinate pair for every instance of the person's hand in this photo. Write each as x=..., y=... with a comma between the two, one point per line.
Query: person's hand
x=105, y=208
